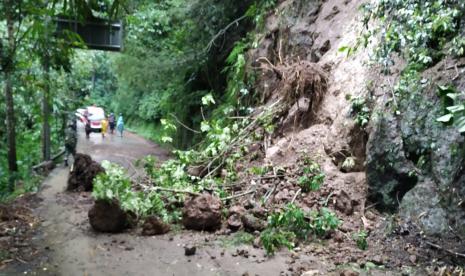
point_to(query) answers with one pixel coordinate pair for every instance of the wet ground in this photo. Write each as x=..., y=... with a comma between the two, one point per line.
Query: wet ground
x=71, y=247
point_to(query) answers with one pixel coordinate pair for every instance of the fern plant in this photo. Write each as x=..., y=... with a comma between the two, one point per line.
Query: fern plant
x=454, y=108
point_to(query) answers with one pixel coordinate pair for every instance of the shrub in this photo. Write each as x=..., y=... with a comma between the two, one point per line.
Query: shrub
x=313, y=177
x=286, y=227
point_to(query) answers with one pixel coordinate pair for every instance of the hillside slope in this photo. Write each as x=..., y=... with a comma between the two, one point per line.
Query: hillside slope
x=373, y=155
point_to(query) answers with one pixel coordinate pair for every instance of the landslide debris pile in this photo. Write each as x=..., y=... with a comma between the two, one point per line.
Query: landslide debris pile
x=296, y=168
x=17, y=228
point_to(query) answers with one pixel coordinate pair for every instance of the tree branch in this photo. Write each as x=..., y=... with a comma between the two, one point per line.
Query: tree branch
x=182, y=124
x=223, y=31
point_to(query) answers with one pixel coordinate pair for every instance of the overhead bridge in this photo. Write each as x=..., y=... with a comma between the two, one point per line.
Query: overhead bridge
x=97, y=34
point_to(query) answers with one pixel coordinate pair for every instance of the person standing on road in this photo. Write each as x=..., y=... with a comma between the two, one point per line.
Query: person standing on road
x=120, y=124
x=70, y=138
x=111, y=121
x=104, y=127
x=87, y=126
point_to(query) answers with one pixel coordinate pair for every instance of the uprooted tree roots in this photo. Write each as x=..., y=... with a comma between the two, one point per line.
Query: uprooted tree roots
x=300, y=86
x=83, y=173
x=292, y=97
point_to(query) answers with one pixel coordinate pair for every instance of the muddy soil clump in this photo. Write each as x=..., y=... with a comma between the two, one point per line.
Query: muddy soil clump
x=153, y=225
x=108, y=217
x=202, y=213
x=83, y=173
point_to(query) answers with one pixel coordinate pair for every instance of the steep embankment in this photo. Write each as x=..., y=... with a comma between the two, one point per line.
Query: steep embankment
x=337, y=110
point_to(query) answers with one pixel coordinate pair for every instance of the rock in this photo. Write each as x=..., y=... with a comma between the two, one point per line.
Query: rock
x=202, y=213
x=236, y=209
x=153, y=225
x=349, y=272
x=338, y=237
x=344, y=203
x=387, y=169
x=249, y=204
x=256, y=242
x=282, y=196
x=108, y=217
x=377, y=260
x=83, y=173
x=409, y=160
x=413, y=259
x=272, y=152
x=189, y=250
x=198, y=171
x=252, y=223
x=234, y=222
x=259, y=212
x=295, y=114
x=311, y=273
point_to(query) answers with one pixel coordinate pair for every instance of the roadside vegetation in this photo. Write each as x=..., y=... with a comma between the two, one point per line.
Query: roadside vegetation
x=197, y=77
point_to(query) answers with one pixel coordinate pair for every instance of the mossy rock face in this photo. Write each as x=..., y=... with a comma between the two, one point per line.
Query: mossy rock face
x=388, y=170
x=417, y=162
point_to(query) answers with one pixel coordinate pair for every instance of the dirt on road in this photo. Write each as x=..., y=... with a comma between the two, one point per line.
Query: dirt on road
x=68, y=246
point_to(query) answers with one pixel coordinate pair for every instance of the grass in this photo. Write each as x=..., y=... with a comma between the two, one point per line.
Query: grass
x=148, y=131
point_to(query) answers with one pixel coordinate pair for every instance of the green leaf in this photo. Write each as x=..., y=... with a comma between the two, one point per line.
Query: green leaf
x=456, y=108
x=208, y=99
x=166, y=139
x=460, y=124
x=453, y=96
x=446, y=118
x=205, y=126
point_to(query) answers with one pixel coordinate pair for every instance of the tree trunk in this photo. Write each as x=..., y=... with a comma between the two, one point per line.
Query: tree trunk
x=10, y=110
x=10, y=123
x=46, y=140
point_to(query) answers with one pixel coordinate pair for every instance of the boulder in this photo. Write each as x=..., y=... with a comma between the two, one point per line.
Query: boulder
x=202, y=213
x=107, y=216
x=236, y=209
x=252, y=223
x=153, y=225
x=234, y=222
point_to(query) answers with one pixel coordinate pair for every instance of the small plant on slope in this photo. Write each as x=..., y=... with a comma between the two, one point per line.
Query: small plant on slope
x=361, y=239
x=359, y=109
x=313, y=177
x=286, y=227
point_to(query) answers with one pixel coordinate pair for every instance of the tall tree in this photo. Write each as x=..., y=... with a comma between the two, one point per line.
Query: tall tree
x=10, y=9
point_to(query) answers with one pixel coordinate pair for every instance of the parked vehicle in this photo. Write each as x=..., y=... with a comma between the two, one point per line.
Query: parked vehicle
x=95, y=116
x=80, y=112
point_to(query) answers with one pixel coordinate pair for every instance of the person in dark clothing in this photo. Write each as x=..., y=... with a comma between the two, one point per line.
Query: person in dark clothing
x=111, y=122
x=87, y=126
x=70, y=138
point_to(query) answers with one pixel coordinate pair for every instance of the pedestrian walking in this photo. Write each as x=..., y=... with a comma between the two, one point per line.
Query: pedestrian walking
x=87, y=126
x=111, y=121
x=104, y=127
x=120, y=124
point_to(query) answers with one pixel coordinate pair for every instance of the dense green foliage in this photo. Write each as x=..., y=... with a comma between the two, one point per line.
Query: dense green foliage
x=423, y=33
x=179, y=51
x=114, y=184
x=176, y=52
x=45, y=82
